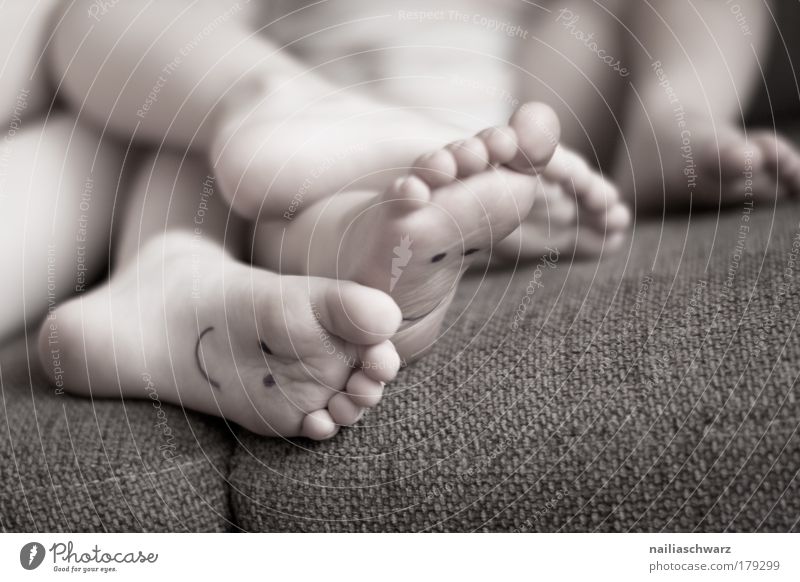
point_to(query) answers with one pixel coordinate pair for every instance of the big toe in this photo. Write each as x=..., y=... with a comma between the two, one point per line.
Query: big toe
x=355, y=313
x=538, y=132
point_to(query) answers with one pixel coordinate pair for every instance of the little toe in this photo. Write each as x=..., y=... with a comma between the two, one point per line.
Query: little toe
x=343, y=410
x=319, y=426
x=380, y=361
x=364, y=391
x=437, y=168
x=501, y=144
x=355, y=313
x=538, y=132
x=471, y=156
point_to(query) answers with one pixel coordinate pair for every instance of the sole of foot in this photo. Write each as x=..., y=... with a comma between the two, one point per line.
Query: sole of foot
x=279, y=355
x=417, y=239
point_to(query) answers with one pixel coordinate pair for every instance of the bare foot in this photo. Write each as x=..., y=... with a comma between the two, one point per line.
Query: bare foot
x=416, y=239
x=705, y=167
x=281, y=356
x=280, y=149
x=576, y=211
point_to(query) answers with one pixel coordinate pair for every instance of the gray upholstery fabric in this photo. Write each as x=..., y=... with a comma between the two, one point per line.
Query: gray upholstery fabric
x=631, y=396
x=72, y=464
x=649, y=392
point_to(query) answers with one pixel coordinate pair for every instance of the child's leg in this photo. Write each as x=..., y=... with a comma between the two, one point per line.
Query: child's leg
x=57, y=190
x=24, y=30
x=574, y=61
x=196, y=74
x=696, y=67
x=180, y=317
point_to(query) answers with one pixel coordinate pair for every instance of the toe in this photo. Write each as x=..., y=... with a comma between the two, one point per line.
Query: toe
x=618, y=218
x=380, y=361
x=343, y=410
x=355, y=313
x=471, y=156
x=565, y=165
x=436, y=169
x=410, y=192
x=319, y=425
x=602, y=195
x=501, y=144
x=780, y=158
x=538, y=132
x=364, y=391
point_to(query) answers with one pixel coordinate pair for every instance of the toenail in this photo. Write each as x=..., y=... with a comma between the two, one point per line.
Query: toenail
x=438, y=257
x=269, y=381
x=470, y=251
x=265, y=348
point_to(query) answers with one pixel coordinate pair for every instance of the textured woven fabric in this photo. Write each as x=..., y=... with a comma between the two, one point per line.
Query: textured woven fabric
x=73, y=464
x=654, y=391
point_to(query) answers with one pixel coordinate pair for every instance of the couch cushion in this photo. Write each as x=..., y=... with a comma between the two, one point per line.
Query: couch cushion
x=73, y=464
x=652, y=391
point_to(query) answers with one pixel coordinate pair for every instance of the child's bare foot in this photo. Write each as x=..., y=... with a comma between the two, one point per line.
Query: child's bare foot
x=576, y=211
x=704, y=166
x=279, y=149
x=417, y=239
x=190, y=326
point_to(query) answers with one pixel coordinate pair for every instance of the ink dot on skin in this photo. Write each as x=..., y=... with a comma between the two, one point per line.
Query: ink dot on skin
x=438, y=257
x=470, y=251
x=264, y=348
x=269, y=381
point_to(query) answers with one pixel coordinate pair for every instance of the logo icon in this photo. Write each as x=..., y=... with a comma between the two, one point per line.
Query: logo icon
x=402, y=255
x=31, y=555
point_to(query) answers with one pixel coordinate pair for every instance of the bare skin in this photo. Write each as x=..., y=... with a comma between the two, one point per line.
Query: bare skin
x=279, y=355
x=417, y=238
